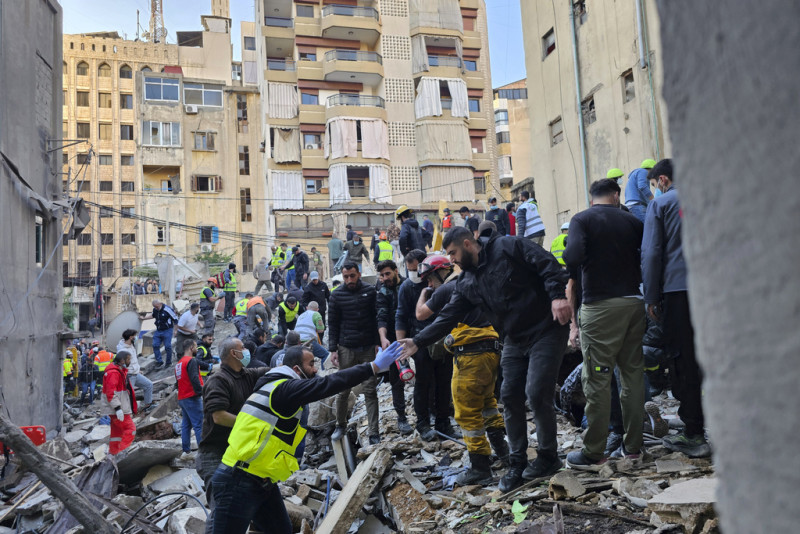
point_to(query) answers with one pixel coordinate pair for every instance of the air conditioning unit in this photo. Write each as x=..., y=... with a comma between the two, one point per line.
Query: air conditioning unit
x=312, y=146
x=191, y=109
x=206, y=248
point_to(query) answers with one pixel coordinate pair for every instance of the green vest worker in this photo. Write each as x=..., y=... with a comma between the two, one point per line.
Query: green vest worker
x=559, y=244
x=383, y=251
x=263, y=444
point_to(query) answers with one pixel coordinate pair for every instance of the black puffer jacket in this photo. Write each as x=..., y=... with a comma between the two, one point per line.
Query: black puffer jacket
x=351, y=317
x=318, y=293
x=386, y=303
x=411, y=237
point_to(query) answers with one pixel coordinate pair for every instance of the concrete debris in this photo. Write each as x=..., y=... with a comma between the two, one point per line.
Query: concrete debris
x=689, y=503
x=565, y=485
x=187, y=521
x=134, y=462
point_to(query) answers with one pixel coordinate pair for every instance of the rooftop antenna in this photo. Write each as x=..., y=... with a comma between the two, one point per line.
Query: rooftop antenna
x=157, y=32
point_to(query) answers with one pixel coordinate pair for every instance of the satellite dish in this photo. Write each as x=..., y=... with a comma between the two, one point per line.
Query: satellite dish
x=124, y=321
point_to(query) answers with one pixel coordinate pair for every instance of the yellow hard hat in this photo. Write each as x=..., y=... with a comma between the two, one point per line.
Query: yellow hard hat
x=615, y=173
x=401, y=210
x=648, y=163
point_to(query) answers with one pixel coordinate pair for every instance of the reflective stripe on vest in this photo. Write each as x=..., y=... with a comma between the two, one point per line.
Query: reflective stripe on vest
x=278, y=259
x=558, y=246
x=203, y=356
x=103, y=360
x=385, y=251
x=67, y=367
x=262, y=441
x=231, y=286
x=533, y=221
x=288, y=259
x=291, y=314
x=241, y=307
x=447, y=222
x=203, y=292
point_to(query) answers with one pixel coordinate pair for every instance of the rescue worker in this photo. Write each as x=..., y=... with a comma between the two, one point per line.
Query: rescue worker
x=287, y=314
x=190, y=395
x=240, y=317
x=265, y=352
x=86, y=377
x=278, y=259
x=119, y=402
x=559, y=244
x=300, y=263
x=208, y=298
x=103, y=359
x=263, y=445
x=410, y=233
x=353, y=250
x=616, y=175
x=310, y=328
x=447, y=221
x=231, y=286
x=204, y=353
x=137, y=379
x=383, y=250
x=529, y=222
x=476, y=349
x=69, y=380
x=258, y=316
x=288, y=267
x=637, y=190
x=165, y=318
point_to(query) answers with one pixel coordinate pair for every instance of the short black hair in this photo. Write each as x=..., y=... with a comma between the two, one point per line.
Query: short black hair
x=207, y=334
x=294, y=355
x=259, y=332
x=510, y=206
x=231, y=265
x=185, y=345
x=248, y=296
x=249, y=345
x=525, y=194
x=663, y=167
x=195, y=306
x=349, y=226
x=291, y=300
x=604, y=187
x=127, y=334
x=284, y=245
x=463, y=209
x=457, y=235
x=384, y=264
x=278, y=339
x=337, y=283
x=292, y=338
x=416, y=255
x=348, y=265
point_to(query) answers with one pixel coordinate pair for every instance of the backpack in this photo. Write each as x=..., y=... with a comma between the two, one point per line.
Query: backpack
x=220, y=279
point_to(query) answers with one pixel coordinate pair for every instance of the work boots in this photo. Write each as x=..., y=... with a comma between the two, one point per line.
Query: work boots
x=497, y=439
x=443, y=425
x=479, y=471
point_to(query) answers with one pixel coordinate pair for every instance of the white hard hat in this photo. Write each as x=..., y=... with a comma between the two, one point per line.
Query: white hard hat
x=565, y=226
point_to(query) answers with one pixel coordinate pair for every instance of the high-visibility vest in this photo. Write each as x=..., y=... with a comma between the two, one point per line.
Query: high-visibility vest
x=185, y=389
x=231, y=286
x=264, y=442
x=255, y=300
x=558, y=246
x=447, y=222
x=278, y=258
x=533, y=221
x=288, y=259
x=241, y=308
x=67, y=367
x=103, y=359
x=203, y=292
x=291, y=314
x=385, y=251
x=204, y=356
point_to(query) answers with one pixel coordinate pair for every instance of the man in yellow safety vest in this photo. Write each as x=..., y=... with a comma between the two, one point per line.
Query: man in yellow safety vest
x=383, y=250
x=559, y=244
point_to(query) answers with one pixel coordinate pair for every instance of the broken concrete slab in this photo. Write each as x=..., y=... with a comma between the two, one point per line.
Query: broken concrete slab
x=155, y=473
x=98, y=433
x=299, y=513
x=165, y=406
x=688, y=503
x=673, y=466
x=100, y=452
x=303, y=492
x=57, y=448
x=565, y=485
x=187, y=521
x=74, y=437
x=136, y=460
x=155, y=430
x=184, y=480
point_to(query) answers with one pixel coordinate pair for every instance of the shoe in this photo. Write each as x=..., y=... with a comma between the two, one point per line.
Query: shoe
x=542, y=466
x=374, y=440
x=691, y=446
x=338, y=433
x=187, y=456
x=497, y=439
x=660, y=427
x=149, y=407
x=613, y=442
x=578, y=460
x=623, y=453
x=426, y=432
x=403, y=427
x=479, y=472
x=512, y=479
x=159, y=365
x=447, y=429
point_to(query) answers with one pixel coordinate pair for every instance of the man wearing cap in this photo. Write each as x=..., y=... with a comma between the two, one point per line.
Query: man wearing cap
x=637, y=191
x=207, y=300
x=287, y=314
x=316, y=291
x=497, y=216
x=559, y=244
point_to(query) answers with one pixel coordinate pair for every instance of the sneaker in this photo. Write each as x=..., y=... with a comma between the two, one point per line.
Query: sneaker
x=159, y=365
x=613, y=442
x=403, y=427
x=149, y=407
x=374, y=440
x=693, y=447
x=512, y=479
x=187, y=456
x=426, y=432
x=659, y=426
x=621, y=452
x=479, y=472
x=542, y=466
x=338, y=433
x=578, y=460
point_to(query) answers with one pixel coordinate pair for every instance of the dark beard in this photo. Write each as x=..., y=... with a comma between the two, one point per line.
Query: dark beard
x=466, y=262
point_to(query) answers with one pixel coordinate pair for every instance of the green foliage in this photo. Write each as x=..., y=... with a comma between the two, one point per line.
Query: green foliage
x=145, y=272
x=214, y=257
x=68, y=312
x=520, y=512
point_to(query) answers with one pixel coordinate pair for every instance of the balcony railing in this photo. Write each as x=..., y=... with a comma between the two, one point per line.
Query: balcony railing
x=353, y=55
x=444, y=61
x=281, y=64
x=278, y=22
x=350, y=11
x=356, y=100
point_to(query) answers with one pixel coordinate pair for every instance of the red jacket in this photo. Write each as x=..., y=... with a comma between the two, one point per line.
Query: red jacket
x=512, y=220
x=117, y=389
x=187, y=375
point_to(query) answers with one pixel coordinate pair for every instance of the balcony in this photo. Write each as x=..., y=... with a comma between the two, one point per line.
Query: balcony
x=355, y=105
x=352, y=23
x=444, y=61
x=278, y=22
x=278, y=31
x=281, y=70
x=353, y=66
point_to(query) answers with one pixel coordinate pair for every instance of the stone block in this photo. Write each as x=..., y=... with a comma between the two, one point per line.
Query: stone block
x=136, y=460
x=565, y=485
x=187, y=521
x=689, y=504
x=57, y=448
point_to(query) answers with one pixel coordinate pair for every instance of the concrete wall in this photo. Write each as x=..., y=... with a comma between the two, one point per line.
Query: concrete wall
x=30, y=115
x=731, y=86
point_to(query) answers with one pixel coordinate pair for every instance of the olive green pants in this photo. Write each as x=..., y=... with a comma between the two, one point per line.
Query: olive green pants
x=474, y=376
x=611, y=336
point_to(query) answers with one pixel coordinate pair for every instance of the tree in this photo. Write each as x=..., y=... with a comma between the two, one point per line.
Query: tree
x=214, y=257
x=68, y=312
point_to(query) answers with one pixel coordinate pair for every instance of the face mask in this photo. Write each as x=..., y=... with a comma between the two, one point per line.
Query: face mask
x=493, y=207
x=658, y=193
x=414, y=277
x=356, y=241
x=300, y=372
x=245, y=358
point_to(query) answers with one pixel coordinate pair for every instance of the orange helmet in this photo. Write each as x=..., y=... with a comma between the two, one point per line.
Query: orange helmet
x=212, y=281
x=383, y=236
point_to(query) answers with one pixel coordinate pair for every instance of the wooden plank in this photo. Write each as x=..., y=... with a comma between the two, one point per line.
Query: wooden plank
x=341, y=464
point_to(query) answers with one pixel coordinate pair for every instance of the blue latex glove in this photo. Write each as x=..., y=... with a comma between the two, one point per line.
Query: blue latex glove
x=387, y=356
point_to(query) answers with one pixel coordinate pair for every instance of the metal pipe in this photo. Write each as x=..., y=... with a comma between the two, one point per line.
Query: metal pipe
x=581, y=130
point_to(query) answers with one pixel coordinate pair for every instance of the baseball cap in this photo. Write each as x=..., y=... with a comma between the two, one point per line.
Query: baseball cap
x=314, y=275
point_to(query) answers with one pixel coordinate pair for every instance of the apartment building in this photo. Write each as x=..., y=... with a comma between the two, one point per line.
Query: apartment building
x=370, y=105
x=612, y=93
x=513, y=138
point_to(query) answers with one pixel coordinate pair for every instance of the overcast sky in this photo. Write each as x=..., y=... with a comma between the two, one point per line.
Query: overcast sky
x=85, y=16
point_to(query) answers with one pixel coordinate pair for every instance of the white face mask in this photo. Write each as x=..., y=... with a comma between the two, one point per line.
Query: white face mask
x=414, y=277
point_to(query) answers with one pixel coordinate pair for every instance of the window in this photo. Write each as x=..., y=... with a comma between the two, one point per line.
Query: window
x=166, y=185
x=479, y=182
x=84, y=268
x=126, y=132
x=309, y=99
x=358, y=181
x=104, y=100
x=503, y=138
x=84, y=130
x=82, y=99
x=305, y=11
x=579, y=8
x=146, y=69
x=128, y=239
x=161, y=234
x=312, y=141
x=501, y=116
x=236, y=72
x=127, y=268
x=556, y=132
x=447, y=102
x=105, y=159
x=477, y=145
x=125, y=72
x=513, y=94
x=107, y=269
x=548, y=43
x=469, y=24
x=64, y=156
x=106, y=213
x=85, y=238
x=125, y=101
x=126, y=161
x=104, y=131
x=202, y=94
x=244, y=160
x=104, y=71
x=106, y=239
x=206, y=184
x=249, y=43
x=204, y=140
x=106, y=185
x=82, y=69
x=587, y=108
x=65, y=266
x=474, y=105
x=313, y=186
x=241, y=107
x=628, y=88
x=161, y=89
x=471, y=65
x=209, y=234
x=156, y=133
x=128, y=211
x=307, y=56
x=247, y=255
x=82, y=159
x=245, y=205
x=126, y=187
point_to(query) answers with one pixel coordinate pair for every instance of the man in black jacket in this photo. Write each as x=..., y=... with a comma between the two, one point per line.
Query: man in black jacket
x=521, y=289
x=300, y=262
x=410, y=233
x=386, y=303
x=265, y=352
x=353, y=336
x=498, y=216
x=316, y=290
